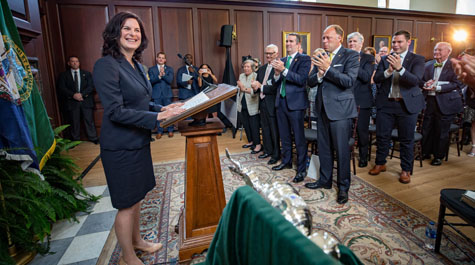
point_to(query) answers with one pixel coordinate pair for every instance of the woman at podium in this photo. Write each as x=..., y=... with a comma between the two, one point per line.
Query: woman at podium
x=125, y=93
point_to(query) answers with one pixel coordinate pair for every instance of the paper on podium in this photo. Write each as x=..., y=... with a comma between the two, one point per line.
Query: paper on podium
x=201, y=102
x=185, y=77
x=195, y=101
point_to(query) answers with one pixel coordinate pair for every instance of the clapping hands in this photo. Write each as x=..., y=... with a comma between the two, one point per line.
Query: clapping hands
x=465, y=69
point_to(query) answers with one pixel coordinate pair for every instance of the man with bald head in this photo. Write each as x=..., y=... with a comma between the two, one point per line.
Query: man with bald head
x=442, y=92
x=335, y=73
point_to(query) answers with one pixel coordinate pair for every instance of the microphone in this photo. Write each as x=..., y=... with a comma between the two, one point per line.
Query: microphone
x=179, y=56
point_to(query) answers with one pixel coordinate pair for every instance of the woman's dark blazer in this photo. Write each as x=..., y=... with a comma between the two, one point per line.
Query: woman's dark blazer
x=125, y=94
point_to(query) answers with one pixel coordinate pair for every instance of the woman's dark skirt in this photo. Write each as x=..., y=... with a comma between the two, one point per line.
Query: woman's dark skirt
x=129, y=175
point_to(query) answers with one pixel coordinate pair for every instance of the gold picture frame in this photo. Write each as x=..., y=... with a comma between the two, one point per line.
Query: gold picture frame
x=380, y=41
x=304, y=39
x=413, y=45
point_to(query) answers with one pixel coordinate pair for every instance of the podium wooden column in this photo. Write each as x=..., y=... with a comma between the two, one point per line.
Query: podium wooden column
x=204, y=192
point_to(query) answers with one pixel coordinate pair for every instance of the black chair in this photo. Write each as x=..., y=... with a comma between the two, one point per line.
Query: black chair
x=455, y=129
x=417, y=140
x=372, y=131
x=450, y=199
x=354, y=141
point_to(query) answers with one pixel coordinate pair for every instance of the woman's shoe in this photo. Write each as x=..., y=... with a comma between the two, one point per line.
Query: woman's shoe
x=247, y=145
x=154, y=248
x=472, y=153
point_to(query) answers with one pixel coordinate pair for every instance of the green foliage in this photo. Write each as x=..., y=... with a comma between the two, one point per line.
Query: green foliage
x=32, y=205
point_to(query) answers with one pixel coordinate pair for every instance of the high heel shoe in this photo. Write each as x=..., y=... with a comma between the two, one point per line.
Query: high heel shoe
x=154, y=248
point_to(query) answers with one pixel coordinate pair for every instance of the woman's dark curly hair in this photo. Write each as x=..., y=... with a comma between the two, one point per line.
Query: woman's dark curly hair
x=111, y=36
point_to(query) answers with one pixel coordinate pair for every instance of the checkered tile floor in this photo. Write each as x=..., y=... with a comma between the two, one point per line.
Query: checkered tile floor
x=81, y=243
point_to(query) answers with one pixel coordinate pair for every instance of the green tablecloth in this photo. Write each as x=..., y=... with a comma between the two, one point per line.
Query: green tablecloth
x=251, y=231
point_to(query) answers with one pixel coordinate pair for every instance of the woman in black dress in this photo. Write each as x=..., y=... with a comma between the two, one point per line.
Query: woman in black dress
x=128, y=119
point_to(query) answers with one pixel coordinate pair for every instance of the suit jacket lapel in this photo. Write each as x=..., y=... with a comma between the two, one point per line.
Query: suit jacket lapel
x=126, y=65
x=338, y=56
x=296, y=58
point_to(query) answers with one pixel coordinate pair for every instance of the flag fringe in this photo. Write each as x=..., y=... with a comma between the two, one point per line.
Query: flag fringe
x=48, y=154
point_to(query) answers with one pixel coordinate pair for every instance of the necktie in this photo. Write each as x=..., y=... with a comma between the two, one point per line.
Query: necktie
x=287, y=64
x=331, y=56
x=264, y=81
x=438, y=64
x=76, y=82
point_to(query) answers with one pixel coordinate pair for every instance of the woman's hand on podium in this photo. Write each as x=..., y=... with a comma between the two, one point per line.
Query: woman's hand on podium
x=170, y=111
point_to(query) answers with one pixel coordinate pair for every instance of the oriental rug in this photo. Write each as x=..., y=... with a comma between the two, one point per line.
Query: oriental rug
x=376, y=227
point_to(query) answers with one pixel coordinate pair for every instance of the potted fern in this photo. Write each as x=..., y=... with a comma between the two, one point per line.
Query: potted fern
x=30, y=205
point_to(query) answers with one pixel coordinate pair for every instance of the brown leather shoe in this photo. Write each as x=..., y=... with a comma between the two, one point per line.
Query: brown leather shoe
x=405, y=177
x=377, y=169
x=158, y=136
x=170, y=134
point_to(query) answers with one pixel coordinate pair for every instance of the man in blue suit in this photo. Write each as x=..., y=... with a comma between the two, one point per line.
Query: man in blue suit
x=290, y=79
x=443, y=99
x=189, y=88
x=161, y=77
x=399, y=100
x=335, y=74
x=363, y=94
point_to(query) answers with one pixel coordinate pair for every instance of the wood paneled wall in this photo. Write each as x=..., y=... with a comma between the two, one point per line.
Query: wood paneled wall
x=75, y=27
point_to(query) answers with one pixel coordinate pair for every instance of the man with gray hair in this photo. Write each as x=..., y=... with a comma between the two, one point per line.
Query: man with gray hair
x=267, y=92
x=442, y=93
x=363, y=94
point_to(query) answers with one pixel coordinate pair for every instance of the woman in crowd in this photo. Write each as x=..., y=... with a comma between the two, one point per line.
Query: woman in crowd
x=248, y=106
x=206, y=73
x=127, y=122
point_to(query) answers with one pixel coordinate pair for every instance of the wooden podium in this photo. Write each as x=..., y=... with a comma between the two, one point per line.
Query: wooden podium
x=204, y=192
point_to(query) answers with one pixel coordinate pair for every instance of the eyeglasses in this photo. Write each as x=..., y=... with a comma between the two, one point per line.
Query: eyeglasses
x=269, y=53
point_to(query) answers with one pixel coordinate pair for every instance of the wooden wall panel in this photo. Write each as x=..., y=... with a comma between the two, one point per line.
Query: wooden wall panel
x=250, y=34
x=423, y=31
x=384, y=26
x=313, y=24
x=145, y=13
x=339, y=20
x=407, y=25
x=210, y=22
x=279, y=22
x=78, y=37
x=362, y=25
x=176, y=28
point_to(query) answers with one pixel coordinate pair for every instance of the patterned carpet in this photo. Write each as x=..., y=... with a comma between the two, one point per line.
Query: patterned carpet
x=375, y=226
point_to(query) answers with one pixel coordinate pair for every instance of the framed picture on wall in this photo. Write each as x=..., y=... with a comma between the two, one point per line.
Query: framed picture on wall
x=380, y=41
x=413, y=45
x=304, y=40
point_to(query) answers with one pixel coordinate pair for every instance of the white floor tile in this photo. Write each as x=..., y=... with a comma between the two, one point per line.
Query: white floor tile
x=97, y=190
x=85, y=247
x=64, y=229
x=103, y=205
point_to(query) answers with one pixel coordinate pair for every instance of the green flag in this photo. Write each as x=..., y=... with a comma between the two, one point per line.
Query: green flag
x=18, y=86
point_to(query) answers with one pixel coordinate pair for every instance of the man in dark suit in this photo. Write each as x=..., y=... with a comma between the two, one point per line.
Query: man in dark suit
x=290, y=79
x=76, y=86
x=268, y=91
x=335, y=74
x=444, y=101
x=363, y=94
x=189, y=88
x=161, y=77
x=399, y=100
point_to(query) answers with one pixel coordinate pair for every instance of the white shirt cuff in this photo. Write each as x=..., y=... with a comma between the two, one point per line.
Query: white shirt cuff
x=387, y=74
x=285, y=72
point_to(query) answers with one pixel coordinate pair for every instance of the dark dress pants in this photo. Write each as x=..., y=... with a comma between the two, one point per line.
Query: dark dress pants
x=363, y=132
x=163, y=102
x=270, y=132
x=292, y=121
x=334, y=136
x=435, y=129
x=386, y=118
x=87, y=115
x=251, y=126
